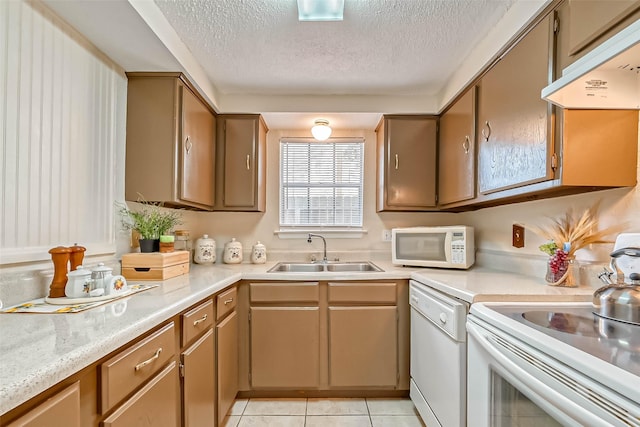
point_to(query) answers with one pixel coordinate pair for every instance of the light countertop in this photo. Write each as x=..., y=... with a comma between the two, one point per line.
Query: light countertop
x=40, y=350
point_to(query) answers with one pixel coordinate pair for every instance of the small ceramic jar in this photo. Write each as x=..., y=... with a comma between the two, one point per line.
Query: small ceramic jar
x=205, y=250
x=258, y=253
x=102, y=275
x=233, y=252
x=79, y=283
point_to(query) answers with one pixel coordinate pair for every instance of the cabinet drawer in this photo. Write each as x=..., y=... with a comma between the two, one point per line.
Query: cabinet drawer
x=196, y=321
x=226, y=302
x=124, y=372
x=284, y=292
x=156, y=404
x=376, y=293
x=61, y=410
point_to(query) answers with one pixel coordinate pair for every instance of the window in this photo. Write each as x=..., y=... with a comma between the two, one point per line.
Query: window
x=321, y=183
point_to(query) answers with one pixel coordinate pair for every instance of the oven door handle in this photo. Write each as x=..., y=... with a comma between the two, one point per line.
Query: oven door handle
x=536, y=387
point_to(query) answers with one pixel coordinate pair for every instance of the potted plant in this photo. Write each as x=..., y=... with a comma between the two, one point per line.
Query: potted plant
x=151, y=222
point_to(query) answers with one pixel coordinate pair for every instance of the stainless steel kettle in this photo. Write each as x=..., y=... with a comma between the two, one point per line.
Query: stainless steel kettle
x=619, y=300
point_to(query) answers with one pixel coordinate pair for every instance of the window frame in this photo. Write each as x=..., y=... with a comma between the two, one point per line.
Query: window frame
x=329, y=230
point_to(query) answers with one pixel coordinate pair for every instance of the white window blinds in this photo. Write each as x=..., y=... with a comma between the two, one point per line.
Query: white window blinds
x=321, y=183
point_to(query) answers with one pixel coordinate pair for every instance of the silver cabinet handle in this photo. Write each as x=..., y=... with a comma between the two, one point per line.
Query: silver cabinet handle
x=397, y=163
x=488, y=134
x=150, y=360
x=466, y=144
x=200, y=320
x=248, y=164
x=188, y=144
x=229, y=301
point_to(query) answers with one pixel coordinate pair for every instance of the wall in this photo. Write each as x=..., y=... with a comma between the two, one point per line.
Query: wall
x=250, y=227
x=62, y=121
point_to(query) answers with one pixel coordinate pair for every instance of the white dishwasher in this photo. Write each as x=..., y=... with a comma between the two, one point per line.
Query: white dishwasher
x=438, y=356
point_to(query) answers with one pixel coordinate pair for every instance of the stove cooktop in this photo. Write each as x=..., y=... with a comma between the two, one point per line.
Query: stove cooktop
x=614, y=342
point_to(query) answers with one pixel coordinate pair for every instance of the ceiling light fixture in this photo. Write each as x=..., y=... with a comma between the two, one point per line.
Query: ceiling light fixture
x=321, y=130
x=320, y=10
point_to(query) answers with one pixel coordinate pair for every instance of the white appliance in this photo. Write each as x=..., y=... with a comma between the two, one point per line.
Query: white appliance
x=444, y=247
x=438, y=356
x=551, y=364
x=605, y=78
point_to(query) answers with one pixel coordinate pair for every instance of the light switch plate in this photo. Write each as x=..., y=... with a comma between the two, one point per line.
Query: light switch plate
x=386, y=235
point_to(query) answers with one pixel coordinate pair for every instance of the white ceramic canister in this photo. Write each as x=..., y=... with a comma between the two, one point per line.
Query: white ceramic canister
x=232, y=252
x=258, y=253
x=205, y=250
x=79, y=283
x=102, y=276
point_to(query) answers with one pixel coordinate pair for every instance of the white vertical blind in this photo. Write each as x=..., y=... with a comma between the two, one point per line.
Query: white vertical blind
x=59, y=102
x=321, y=183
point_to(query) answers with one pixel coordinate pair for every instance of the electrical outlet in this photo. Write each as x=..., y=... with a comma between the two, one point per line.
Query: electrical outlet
x=518, y=236
x=386, y=235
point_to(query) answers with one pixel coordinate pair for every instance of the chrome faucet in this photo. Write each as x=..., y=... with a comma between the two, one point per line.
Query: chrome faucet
x=324, y=242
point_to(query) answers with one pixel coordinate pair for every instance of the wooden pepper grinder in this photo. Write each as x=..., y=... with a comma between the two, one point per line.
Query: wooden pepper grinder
x=60, y=257
x=76, y=256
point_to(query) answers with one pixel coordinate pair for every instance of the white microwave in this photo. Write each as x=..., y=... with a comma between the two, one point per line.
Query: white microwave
x=444, y=247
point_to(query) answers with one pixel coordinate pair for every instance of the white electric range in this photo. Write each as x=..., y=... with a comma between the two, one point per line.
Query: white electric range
x=551, y=364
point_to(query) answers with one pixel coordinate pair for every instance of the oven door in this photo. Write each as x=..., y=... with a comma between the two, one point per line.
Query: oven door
x=511, y=383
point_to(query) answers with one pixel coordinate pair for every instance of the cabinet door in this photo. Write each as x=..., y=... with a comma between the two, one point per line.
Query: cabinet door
x=198, y=383
x=61, y=410
x=514, y=142
x=363, y=346
x=409, y=163
x=156, y=404
x=285, y=347
x=457, y=166
x=589, y=19
x=240, y=162
x=227, y=349
x=197, y=156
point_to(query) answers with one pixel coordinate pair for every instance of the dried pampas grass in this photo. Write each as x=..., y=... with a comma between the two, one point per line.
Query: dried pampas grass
x=580, y=231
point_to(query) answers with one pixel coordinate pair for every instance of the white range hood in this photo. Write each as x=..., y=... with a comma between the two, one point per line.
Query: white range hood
x=605, y=78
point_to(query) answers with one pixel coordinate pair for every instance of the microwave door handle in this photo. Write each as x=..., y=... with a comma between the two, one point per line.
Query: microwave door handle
x=547, y=398
x=447, y=247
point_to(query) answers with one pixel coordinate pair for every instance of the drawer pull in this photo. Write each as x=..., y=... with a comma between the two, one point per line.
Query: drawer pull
x=150, y=360
x=229, y=301
x=200, y=320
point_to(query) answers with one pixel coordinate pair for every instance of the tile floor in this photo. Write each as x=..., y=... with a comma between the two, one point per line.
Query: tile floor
x=311, y=412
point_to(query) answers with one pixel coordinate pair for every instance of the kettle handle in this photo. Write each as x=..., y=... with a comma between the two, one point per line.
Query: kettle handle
x=634, y=252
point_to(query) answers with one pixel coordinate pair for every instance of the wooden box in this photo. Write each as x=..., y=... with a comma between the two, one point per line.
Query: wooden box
x=155, y=265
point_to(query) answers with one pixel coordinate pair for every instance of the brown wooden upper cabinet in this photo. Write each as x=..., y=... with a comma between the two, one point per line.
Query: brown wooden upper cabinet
x=514, y=136
x=587, y=23
x=241, y=164
x=170, y=154
x=406, y=150
x=529, y=149
x=456, y=157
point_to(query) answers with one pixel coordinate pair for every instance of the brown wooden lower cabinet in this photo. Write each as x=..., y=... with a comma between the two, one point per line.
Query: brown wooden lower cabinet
x=61, y=410
x=198, y=382
x=227, y=366
x=324, y=338
x=285, y=347
x=363, y=347
x=156, y=404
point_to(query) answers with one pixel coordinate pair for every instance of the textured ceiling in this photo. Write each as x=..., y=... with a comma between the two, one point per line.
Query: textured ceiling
x=383, y=47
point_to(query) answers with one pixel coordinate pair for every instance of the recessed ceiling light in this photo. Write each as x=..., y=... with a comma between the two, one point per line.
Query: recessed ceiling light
x=320, y=10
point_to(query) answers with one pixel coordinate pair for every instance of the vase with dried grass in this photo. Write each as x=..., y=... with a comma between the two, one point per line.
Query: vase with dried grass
x=567, y=235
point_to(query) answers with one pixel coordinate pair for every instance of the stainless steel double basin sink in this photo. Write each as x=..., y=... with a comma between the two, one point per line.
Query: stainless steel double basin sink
x=319, y=267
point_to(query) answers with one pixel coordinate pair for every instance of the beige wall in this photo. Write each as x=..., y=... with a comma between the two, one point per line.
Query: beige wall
x=249, y=227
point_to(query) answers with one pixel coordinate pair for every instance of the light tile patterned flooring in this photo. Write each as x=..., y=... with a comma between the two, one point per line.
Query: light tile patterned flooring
x=351, y=412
